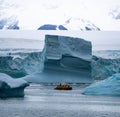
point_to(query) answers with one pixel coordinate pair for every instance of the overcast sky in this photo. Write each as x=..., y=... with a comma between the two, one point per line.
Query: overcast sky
x=32, y=13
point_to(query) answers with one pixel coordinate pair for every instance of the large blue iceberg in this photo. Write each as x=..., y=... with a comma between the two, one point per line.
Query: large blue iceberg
x=108, y=87
x=28, y=62
x=64, y=59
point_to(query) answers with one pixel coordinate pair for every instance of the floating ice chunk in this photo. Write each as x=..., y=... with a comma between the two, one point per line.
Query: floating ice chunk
x=10, y=87
x=109, y=87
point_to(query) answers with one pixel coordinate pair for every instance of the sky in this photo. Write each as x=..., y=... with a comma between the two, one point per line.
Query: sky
x=31, y=14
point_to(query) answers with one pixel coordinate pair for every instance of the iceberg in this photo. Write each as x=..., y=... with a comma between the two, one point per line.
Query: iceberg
x=64, y=59
x=21, y=64
x=107, y=87
x=103, y=68
x=10, y=87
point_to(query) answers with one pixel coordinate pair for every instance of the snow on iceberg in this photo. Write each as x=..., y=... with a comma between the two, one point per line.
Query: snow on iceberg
x=108, y=87
x=10, y=87
x=64, y=59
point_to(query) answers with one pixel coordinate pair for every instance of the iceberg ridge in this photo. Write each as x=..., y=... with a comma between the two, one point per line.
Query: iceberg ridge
x=108, y=87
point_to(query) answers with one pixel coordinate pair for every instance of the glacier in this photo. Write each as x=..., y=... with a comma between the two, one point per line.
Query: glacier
x=64, y=59
x=108, y=87
x=10, y=87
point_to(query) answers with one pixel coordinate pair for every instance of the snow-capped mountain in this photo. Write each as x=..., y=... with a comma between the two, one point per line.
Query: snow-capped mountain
x=52, y=27
x=71, y=24
x=13, y=26
x=77, y=15
x=79, y=24
x=115, y=13
x=9, y=23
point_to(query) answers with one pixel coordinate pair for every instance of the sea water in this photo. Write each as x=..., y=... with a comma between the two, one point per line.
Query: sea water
x=41, y=100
